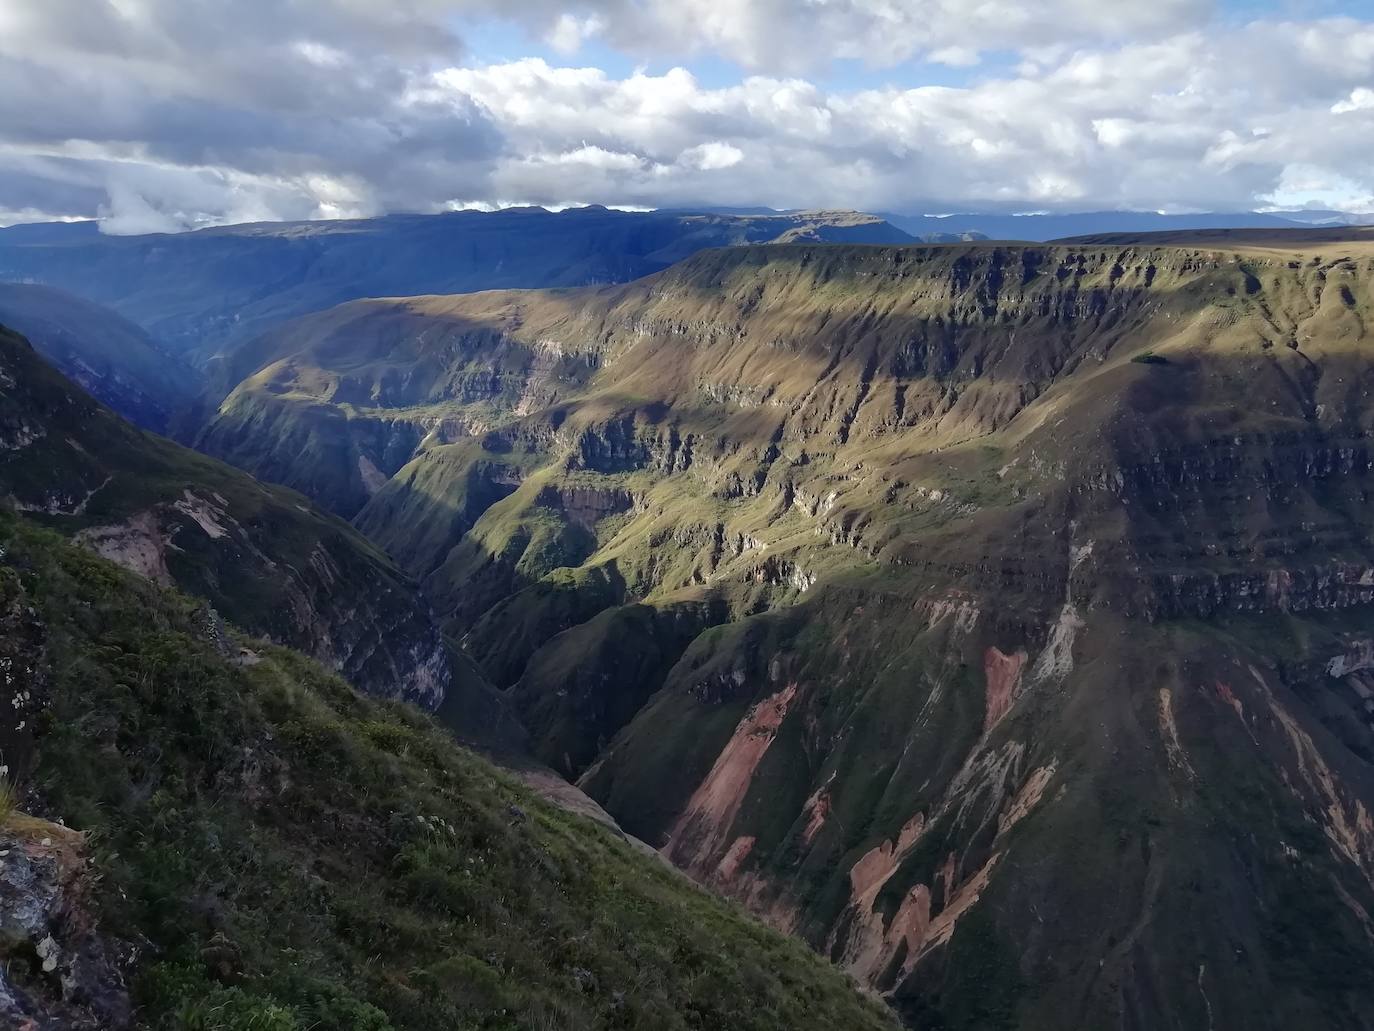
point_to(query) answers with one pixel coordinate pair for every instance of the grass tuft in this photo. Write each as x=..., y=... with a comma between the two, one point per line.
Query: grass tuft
x=9, y=800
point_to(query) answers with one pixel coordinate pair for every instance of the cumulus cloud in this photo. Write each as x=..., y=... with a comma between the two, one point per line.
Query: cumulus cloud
x=179, y=115
x=712, y=155
x=1186, y=122
x=569, y=32
x=1361, y=99
x=160, y=115
x=791, y=37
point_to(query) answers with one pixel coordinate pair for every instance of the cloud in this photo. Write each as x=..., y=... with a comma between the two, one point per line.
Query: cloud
x=195, y=114
x=788, y=37
x=569, y=32
x=128, y=212
x=1186, y=122
x=164, y=114
x=1361, y=99
x=712, y=155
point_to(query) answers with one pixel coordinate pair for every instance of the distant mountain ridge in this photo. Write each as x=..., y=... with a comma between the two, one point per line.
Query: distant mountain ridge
x=201, y=293
x=1041, y=228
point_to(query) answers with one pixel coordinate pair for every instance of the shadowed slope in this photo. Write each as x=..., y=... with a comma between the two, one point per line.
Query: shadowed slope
x=261, y=555
x=105, y=354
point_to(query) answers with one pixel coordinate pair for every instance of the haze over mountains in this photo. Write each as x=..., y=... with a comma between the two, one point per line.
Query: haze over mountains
x=200, y=293
x=116, y=361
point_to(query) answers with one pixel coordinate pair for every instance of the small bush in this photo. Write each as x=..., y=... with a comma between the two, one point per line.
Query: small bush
x=1150, y=358
x=231, y=1009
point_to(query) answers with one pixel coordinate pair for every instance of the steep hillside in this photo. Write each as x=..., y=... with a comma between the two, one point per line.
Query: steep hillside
x=996, y=618
x=263, y=556
x=200, y=293
x=247, y=844
x=107, y=355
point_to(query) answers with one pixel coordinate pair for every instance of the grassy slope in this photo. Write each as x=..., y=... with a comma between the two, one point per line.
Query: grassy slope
x=298, y=856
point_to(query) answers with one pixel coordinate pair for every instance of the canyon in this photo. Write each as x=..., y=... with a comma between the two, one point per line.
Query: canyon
x=994, y=618
x=971, y=611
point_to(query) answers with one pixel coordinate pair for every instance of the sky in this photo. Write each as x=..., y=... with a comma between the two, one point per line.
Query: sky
x=164, y=115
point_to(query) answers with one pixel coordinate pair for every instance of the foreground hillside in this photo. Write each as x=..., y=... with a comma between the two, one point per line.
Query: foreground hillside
x=263, y=556
x=996, y=618
x=197, y=293
x=250, y=845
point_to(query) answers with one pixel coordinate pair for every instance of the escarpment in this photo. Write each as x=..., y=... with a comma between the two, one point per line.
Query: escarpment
x=963, y=610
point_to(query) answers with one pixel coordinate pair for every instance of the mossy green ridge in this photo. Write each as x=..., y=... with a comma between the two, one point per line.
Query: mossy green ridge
x=286, y=853
x=1030, y=681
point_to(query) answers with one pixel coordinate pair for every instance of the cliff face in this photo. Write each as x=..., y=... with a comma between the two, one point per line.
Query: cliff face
x=976, y=612
x=262, y=556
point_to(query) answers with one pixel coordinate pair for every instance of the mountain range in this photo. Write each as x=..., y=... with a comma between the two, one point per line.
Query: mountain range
x=236, y=839
x=1041, y=227
x=992, y=617
x=202, y=294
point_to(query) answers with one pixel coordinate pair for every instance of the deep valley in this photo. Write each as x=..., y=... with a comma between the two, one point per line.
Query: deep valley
x=993, y=618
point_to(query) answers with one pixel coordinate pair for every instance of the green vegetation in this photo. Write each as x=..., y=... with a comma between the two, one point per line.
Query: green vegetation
x=978, y=986
x=299, y=856
x=9, y=799
x=912, y=532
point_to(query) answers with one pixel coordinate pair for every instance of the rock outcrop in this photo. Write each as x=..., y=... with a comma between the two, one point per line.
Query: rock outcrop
x=57, y=972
